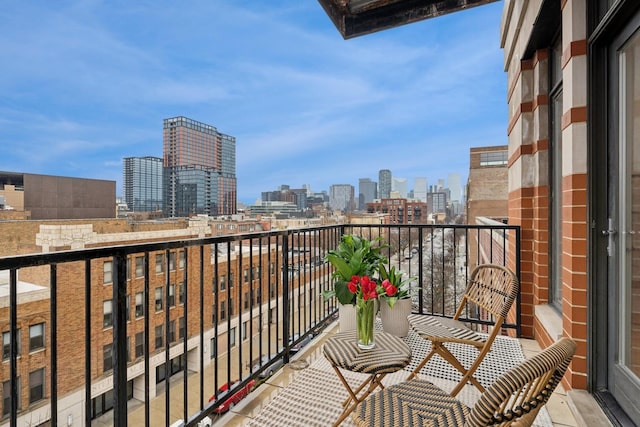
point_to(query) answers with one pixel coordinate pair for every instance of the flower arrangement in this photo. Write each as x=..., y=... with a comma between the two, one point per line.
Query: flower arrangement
x=394, y=285
x=366, y=291
x=354, y=256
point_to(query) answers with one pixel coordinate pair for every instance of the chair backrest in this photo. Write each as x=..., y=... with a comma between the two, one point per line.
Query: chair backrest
x=518, y=395
x=493, y=288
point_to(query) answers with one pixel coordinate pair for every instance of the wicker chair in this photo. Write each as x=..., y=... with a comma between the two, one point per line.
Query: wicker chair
x=491, y=290
x=516, y=397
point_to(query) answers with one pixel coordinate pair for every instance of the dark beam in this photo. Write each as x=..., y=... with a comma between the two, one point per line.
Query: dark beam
x=390, y=15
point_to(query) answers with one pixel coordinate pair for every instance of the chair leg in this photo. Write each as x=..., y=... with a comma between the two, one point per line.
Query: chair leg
x=467, y=374
x=415, y=372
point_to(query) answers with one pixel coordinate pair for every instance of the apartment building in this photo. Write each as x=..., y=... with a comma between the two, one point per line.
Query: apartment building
x=238, y=276
x=200, y=169
x=487, y=185
x=400, y=210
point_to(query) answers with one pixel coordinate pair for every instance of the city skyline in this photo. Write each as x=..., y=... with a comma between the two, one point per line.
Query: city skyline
x=301, y=101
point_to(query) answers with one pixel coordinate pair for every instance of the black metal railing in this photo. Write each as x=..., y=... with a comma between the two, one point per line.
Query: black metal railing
x=238, y=303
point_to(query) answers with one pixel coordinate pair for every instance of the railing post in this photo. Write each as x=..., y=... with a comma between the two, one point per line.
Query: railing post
x=285, y=294
x=120, y=341
x=13, y=346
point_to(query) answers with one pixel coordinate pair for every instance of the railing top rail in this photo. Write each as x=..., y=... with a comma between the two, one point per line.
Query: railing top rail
x=37, y=259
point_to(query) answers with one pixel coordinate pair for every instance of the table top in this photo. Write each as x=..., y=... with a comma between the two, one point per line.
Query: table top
x=390, y=353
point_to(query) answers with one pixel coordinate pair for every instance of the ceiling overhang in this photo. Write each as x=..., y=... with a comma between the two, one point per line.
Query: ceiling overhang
x=355, y=18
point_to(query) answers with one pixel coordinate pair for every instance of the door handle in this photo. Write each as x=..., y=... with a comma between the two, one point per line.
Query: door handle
x=610, y=232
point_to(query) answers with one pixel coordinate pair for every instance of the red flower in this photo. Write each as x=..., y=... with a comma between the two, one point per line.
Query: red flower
x=353, y=287
x=391, y=290
x=364, y=286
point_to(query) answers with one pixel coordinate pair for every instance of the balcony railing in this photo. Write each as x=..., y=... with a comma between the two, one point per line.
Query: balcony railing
x=86, y=331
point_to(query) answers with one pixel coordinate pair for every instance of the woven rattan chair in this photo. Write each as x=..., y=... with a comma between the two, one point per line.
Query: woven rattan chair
x=516, y=397
x=490, y=292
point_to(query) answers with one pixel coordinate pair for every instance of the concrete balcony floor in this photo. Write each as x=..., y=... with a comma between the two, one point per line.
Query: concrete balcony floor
x=558, y=406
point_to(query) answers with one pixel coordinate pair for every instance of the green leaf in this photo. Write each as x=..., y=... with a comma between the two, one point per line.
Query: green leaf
x=343, y=293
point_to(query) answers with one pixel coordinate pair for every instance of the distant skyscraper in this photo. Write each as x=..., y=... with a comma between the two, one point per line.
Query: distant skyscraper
x=367, y=191
x=341, y=197
x=420, y=189
x=384, y=183
x=400, y=186
x=454, y=183
x=200, y=169
x=142, y=183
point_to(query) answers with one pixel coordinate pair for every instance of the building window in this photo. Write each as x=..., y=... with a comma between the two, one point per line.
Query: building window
x=172, y=331
x=555, y=171
x=159, y=336
x=223, y=282
x=181, y=328
x=230, y=280
x=213, y=315
x=246, y=300
x=36, y=385
x=139, y=266
x=159, y=263
x=493, y=158
x=139, y=344
x=172, y=295
x=230, y=307
x=245, y=276
x=181, y=292
x=214, y=350
x=107, y=357
x=107, y=315
x=139, y=304
x=244, y=330
x=181, y=260
x=6, y=344
x=159, y=298
x=232, y=337
x=128, y=308
x=223, y=313
x=107, y=271
x=172, y=261
x=36, y=337
x=6, y=396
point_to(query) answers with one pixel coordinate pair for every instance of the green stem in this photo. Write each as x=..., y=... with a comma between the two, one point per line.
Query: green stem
x=365, y=312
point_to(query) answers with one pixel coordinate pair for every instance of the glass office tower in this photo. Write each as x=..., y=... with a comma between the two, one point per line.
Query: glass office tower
x=142, y=183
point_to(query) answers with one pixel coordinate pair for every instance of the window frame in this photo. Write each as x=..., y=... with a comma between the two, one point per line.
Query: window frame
x=41, y=373
x=38, y=346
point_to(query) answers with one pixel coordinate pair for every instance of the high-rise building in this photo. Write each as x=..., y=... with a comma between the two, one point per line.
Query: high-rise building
x=420, y=189
x=437, y=202
x=200, y=169
x=367, y=191
x=455, y=186
x=399, y=185
x=341, y=197
x=142, y=183
x=384, y=183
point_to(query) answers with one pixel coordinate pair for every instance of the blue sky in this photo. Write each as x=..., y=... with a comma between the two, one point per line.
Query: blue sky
x=86, y=83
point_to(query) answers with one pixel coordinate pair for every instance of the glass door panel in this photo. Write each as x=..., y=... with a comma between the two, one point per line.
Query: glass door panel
x=629, y=315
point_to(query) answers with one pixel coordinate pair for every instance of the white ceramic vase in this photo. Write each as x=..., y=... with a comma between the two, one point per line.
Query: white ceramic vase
x=394, y=320
x=347, y=317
